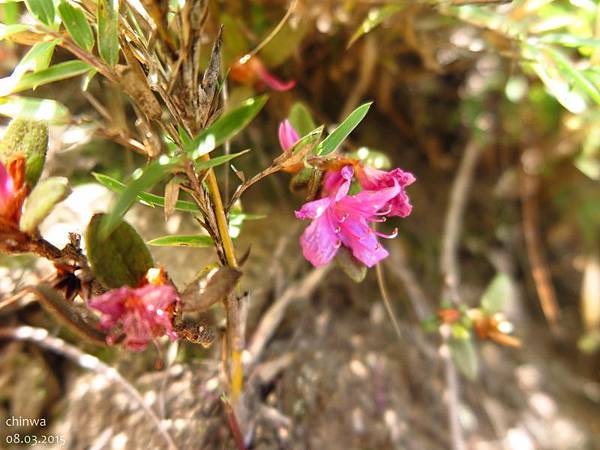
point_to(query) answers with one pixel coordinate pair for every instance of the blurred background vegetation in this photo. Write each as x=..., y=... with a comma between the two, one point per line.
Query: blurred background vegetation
x=519, y=80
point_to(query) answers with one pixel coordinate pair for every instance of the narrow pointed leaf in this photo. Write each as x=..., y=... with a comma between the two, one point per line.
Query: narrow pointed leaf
x=151, y=175
x=57, y=72
x=38, y=57
x=43, y=10
x=34, y=109
x=374, y=18
x=339, y=135
x=225, y=127
x=577, y=77
x=219, y=160
x=108, y=31
x=144, y=197
x=76, y=24
x=182, y=241
x=569, y=40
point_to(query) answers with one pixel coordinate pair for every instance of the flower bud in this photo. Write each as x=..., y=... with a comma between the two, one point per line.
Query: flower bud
x=27, y=138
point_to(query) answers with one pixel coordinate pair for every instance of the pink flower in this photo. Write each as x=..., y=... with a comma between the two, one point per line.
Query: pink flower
x=142, y=314
x=375, y=180
x=287, y=135
x=342, y=219
x=250, y=70
x=7, y=190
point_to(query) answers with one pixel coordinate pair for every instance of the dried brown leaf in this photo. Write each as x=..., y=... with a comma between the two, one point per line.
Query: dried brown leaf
x=202, y=294
x=171, y=196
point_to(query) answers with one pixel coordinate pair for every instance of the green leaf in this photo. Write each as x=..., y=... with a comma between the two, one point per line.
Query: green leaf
x=151, y=175
x=108, y=31
x=224, y=128
x=375, y=17
x=42, y=200
x=28, y=138
x=301, y=119
x=337, y=136
x=575, y=75
x=556, y=81
x=90, y=74
x=38, y=57
x=497, y=293
x=10, y=12
x=76, y=24
x=34, y=109
x=144, y=197
x=463, y=352
x=182, y=241
x=43, y=10
x=119, y=259
x=569, y=40
x=57, y=72
x=153, y=200
x=219, y=160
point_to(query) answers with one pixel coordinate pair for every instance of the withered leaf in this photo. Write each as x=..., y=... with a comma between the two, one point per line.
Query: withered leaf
x=171, y=196
x=202, y=294
x=68, y=314
x=294, y=157
x=210, y=82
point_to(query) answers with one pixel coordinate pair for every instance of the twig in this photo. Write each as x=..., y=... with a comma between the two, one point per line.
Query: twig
x=478, y=2
x=274, y=315
x=449, y=266
x=368, y=62
x=234, y=425
x=535, y=251
x=21, y=293
x=276, y=30
x=399, y=265
x=41, y=337
x=458, y=440
x=386, y=300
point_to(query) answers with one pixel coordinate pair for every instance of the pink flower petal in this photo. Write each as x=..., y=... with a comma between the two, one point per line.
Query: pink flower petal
x=7, y=188
x=273, y=82
x=287, y=135
x=142, y=314
x=319, y=241
x=314, y=209
x=362, y=241
x=377, y=180
x=370, y=202
x=337, y=184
